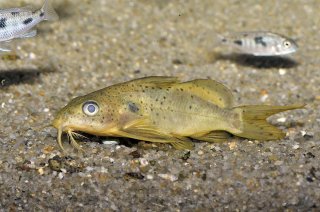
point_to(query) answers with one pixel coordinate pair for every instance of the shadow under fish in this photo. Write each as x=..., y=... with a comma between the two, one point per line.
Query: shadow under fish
x=259, y=61
x=20, y=76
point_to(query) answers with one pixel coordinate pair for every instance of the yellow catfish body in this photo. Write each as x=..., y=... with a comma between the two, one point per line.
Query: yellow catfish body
x=165, y=110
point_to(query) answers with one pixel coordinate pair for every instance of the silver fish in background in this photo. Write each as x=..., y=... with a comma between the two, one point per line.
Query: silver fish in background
x=18, y=22
x=260, y=43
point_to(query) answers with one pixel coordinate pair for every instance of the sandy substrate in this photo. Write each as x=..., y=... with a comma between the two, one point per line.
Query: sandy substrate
x=100, y=43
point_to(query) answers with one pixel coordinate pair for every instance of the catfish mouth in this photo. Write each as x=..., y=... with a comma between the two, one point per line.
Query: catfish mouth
x=69, y=130
x=71, y=134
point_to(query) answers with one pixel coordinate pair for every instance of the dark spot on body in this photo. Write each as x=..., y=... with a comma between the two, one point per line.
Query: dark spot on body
x=190, y=107
x=41, y=14
x=27, y=21
x=259, y=40
x=15, y=13
x=3, y=23
x=176, y=62
x=223, y=40
x=238, y=42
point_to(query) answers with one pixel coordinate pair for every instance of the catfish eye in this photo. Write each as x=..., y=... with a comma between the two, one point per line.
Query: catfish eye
x=90, y=108
x=287, y=44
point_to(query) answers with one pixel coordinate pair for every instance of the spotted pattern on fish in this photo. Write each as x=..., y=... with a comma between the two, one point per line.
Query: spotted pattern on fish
x=27, y=21
x=260, y=43
x=238, y=42
x=170, y=111
x=19, y=22
x=15, y=13
x=259, y=40
x=3, y=23
x=133, y=107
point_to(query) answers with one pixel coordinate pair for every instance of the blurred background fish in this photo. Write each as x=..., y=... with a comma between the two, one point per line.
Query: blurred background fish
x=18, y=22
x=260, y=43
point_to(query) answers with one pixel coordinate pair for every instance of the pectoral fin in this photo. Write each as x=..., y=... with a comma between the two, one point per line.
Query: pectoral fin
x=213, y=136
x=142, y=127
x=142, y=130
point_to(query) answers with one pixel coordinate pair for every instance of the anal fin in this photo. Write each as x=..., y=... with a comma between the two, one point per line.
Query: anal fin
x=29, y=34
x=183, y=145
x=213, y=136
x=4, y=47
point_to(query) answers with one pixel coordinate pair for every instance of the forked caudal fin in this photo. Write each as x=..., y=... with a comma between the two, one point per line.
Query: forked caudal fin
x=255, y=125
x=49, y=12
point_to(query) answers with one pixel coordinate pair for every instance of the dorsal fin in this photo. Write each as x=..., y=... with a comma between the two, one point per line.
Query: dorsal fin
x=157, y=80
x=17, y=10
x=211, y=91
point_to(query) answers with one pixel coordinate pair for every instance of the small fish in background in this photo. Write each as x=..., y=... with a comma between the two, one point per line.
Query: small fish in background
x=165, y=110
x=260, y=43
x=18, y=22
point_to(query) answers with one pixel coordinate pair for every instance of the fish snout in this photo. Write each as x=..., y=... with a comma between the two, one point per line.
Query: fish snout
x=57, y=122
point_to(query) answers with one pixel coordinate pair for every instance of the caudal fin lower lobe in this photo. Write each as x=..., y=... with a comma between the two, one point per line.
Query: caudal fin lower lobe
x=255, y=125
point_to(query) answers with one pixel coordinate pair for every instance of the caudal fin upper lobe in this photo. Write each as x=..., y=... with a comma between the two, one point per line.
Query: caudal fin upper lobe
x=255, y=125
x=49, y=12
